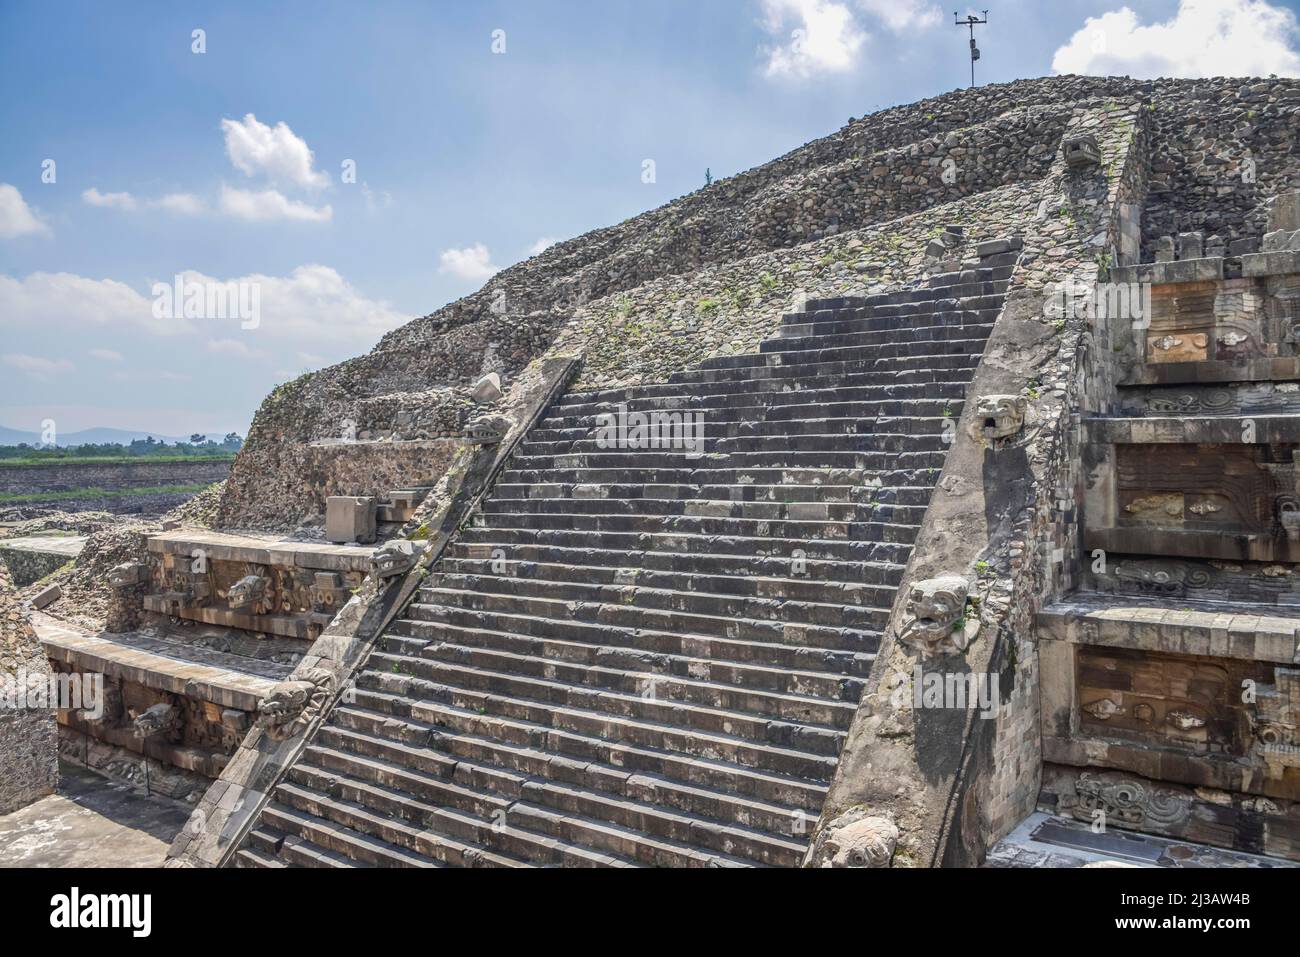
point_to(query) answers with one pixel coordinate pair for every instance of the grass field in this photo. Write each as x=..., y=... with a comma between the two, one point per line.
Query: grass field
x=91, y=493
x=54, y=461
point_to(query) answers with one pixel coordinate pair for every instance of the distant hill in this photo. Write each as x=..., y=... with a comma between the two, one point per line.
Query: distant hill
x=92, y=437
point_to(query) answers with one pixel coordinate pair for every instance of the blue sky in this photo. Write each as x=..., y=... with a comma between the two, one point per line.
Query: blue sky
x=228, y=164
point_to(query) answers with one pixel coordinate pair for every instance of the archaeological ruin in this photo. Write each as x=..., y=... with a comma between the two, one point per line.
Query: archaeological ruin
x=925, y=497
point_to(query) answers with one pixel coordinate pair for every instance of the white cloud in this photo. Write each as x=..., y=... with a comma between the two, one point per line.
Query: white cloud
x=900, y=15
x=232, y=347
x=471, y=263
x=106, y=355
x=822, y=37
x=376, y=201
x=108, y=200
x=542, y=244
x=1204, y=38
x=186, y=204
x=313, y=303
x=36, y=366
x=270, y=204
x=275, y=152
x=16, y=217
x=62, y=299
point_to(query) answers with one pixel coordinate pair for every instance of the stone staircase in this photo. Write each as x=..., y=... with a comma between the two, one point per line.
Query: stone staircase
x=641, y=656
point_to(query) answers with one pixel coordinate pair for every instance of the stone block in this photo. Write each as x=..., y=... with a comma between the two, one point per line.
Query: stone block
x=1284, y=211
x=350, y=518
x=1191, y=245
x=992, y=247
x=1280, y=240
x=1164, y=249
x=488, y=388
x=47, y=596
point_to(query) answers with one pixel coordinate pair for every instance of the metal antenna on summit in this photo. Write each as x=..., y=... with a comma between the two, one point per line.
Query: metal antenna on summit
x=972, y=22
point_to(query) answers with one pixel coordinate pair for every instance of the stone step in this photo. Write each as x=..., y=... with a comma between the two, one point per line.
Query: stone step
x=518, y=799
x=737, y=568
x=704, y=525
x=295, y=812
x=746, y=493
x=959, y=296
x=592, y=691
x=711, y=508
x=811, y=337
x=767, y=458
x=248, y=858
x=690, y=472
x=810, y=387
x=429, y=836
x=439, y=587
x=872, y=352
x=602, y=724
x=769, y=547
x=674, y=441
x=832, y=429
x=461, y=734
x=480, y=762
x=639, y=682
x=757, y=658
x=850, y=591
x=809, y=697
x=294, y=851
x=781, y=399
x=561, y=426
x=921, y=367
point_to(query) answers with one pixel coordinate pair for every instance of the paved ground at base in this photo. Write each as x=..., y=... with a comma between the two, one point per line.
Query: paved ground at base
x=1043, y=840
x=90, y=822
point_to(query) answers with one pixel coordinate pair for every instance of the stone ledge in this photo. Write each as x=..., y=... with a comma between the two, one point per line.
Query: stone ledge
x=1216, y=370
x=227, y=547
x=67, y=545
x=1224, y=429
x=1204, y=629
x=282, y=625
x=1167, y=273
x=164, y=665
x=1199, y=543
x=1280, y=263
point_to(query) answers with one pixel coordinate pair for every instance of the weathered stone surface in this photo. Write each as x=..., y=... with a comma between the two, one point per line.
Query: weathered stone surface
x=488, y=388
x=350, y=519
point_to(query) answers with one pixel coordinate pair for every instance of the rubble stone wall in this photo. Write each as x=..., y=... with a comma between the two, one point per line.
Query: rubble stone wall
x=25, y=480
x=29, y=737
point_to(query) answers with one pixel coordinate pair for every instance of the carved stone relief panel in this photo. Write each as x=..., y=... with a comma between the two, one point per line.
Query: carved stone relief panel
x=1235, y=488
x=1189, y=703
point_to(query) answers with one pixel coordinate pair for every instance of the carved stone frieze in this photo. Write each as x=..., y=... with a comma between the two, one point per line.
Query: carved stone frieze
x=1124, y=800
